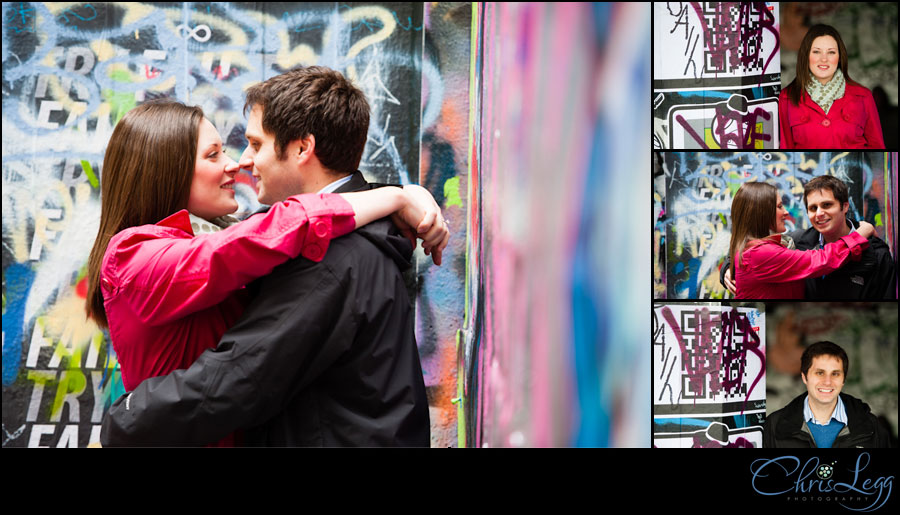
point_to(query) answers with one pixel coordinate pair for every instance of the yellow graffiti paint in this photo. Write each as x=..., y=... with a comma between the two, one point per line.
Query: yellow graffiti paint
x=361, y=13
x=451, y=193
x=103, y=49
x=134, y=11
x=72, y=383
x=74, y=333
x=711, y=142
x=796, y=185
x=838, y=157
x=17, y=230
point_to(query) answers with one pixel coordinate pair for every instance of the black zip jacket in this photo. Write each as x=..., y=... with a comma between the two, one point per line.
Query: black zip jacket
x=871, y=278
x=325, y=355
x=786, y=428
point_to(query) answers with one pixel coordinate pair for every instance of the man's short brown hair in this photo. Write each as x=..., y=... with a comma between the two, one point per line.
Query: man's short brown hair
x=823, y=348
x=319, y=101
x=828, y=182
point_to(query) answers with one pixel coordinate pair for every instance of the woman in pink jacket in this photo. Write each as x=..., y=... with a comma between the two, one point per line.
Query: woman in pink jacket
x=767, y=265
x=167, y=293
x=823, y=107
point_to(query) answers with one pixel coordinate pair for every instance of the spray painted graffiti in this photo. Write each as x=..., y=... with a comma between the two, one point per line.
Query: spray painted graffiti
x=539, y=241
x=716, y=76
x=475, y=101
x=692, y=199
x=71, y=71
x=709, y=385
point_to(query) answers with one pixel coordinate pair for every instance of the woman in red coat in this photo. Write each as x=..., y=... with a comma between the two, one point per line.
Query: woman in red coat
x=823, y=107
x=767, y=264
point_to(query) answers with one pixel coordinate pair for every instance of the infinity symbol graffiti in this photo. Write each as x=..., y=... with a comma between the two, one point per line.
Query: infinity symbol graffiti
x=194, y=32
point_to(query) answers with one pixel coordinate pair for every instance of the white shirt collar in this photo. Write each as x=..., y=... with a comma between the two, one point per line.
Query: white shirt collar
x=336, y=184
x=839, y=413
x=822, y=238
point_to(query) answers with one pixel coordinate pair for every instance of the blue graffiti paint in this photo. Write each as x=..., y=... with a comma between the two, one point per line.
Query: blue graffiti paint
x=19, y=278
x=689, y=286
x=684, y=422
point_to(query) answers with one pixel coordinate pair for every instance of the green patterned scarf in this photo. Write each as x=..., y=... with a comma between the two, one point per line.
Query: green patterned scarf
x=825, y=95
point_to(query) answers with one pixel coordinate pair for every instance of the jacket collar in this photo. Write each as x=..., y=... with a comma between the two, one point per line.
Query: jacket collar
x=180, y=220
x=792, y=422
x=356, y=183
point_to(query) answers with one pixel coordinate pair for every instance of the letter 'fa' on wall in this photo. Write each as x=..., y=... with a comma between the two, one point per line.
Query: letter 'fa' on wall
x=709, y=382
x=716, y=75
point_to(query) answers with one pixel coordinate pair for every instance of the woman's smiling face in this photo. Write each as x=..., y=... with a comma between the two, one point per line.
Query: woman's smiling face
x=824, y=58
x=212, y=189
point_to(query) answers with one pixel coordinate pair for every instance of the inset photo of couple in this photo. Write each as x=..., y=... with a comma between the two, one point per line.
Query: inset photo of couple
x=774, y=225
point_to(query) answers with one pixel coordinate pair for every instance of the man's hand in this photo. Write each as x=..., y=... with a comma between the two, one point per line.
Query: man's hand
x=729, y=284
x=866, y=230
x=422, y=218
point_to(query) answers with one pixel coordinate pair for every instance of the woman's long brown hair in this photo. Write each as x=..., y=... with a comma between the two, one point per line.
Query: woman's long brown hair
x=146, y=176
x=803, y=78
x=752, y=217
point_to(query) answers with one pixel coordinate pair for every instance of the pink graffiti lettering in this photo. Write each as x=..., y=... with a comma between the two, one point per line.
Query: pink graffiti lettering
x=732, y=129
x=705, y=359
x=736, y=352
x=739, y=43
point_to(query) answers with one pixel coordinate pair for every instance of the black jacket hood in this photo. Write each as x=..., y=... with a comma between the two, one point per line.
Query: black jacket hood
x=382, y=233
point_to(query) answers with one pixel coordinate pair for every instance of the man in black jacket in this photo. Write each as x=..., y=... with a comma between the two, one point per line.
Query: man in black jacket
x=824, y=417
x=872, y=277
x=325, y=354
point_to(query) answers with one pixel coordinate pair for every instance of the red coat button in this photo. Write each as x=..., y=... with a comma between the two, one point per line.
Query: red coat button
x=312, y=251
x=320, y=229
x=826, y=122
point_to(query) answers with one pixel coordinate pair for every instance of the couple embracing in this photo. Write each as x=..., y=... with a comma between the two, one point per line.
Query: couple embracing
x=292, y=327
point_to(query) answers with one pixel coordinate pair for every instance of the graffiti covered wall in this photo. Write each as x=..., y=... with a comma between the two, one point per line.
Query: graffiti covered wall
x=715, y=75
x=866, y=331
x=495, y=108
x=555, y=135
x=692, y=204
x=709, y=382
x=72, y=70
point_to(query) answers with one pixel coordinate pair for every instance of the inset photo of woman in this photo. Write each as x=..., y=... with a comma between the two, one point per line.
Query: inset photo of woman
x=774, y=75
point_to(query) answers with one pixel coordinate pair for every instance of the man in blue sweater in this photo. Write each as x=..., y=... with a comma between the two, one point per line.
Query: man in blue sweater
x=824, y=417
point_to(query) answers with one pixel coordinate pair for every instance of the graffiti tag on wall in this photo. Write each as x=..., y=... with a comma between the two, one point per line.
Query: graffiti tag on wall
x=709, y=386
x=716, y=75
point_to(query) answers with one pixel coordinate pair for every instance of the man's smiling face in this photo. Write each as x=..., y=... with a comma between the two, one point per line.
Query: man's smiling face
x=824, y=380
x=826, y=214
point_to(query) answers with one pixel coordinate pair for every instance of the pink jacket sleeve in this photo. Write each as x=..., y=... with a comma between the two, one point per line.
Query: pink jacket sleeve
x=784, y=127
x=872, y=132
x=166, y=274
x=774, y=263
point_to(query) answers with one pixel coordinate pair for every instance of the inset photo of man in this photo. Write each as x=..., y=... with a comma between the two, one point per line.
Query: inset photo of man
x=831, y=376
